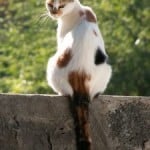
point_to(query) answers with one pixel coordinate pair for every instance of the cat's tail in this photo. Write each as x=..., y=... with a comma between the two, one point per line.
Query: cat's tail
x=81, y=118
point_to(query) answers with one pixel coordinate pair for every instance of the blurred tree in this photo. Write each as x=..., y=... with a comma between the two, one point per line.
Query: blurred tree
x=126, y=31
x=28, y=40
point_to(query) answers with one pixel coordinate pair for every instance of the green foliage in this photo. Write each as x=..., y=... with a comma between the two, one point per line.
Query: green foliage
x=28, y=40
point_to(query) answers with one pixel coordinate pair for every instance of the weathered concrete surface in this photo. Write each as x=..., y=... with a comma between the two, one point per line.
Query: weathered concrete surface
x=42, y=122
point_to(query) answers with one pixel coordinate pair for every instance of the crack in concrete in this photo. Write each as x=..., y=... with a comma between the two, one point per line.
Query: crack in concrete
x=16, y=122
x=50, y=147
x=17, y=126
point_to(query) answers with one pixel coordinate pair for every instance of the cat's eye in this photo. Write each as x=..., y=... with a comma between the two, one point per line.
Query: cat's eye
x=50, y=5
x=61, y=6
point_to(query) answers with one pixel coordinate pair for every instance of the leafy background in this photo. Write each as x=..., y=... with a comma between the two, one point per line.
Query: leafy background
x=27, y=40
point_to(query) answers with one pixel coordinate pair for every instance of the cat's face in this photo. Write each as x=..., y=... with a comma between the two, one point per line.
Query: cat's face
x=59, y=8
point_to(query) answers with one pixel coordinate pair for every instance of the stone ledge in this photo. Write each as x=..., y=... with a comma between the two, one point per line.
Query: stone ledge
x=42, y=122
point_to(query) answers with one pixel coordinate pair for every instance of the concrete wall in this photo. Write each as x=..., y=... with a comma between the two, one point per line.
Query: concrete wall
x=42, y=122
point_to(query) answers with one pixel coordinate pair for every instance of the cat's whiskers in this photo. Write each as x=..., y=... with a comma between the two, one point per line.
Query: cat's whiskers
x=44, y=14
x=43, y=18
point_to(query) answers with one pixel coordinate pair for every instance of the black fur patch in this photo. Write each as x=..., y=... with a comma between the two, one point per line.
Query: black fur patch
x=97, y=95
x=80, y=99
x=100, y=57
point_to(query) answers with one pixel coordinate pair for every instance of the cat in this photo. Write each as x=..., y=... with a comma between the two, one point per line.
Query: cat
x=79, y=68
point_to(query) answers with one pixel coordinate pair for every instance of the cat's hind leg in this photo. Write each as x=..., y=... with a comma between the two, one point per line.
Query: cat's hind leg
x=57, y=78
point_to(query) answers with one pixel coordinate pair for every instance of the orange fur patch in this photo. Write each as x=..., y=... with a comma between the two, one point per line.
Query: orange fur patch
x=64, y=59
x=83, y=120
x=78, y=81
x=90, y=16
x=59, y=12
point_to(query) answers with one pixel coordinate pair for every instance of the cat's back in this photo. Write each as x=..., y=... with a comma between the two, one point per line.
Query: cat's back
x=82, y=30
x=81, y=49
x=86, y=34
x=82, y=40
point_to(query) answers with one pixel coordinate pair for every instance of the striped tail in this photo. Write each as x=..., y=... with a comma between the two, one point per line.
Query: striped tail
x=81, y=118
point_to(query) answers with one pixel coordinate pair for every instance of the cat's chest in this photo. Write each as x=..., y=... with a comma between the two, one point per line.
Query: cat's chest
x=71, y=40
x=68, y=27
x=64, y=35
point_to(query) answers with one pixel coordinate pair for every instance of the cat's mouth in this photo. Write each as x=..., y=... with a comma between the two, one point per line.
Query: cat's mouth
x=55, y=13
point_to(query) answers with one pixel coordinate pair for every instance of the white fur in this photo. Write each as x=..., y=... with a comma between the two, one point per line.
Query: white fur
x=75, y=32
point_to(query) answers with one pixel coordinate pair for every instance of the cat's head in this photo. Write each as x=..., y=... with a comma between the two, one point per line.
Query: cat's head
x=59, y=8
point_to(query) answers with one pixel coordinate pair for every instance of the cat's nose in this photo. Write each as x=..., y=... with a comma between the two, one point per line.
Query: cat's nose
x=54, y=11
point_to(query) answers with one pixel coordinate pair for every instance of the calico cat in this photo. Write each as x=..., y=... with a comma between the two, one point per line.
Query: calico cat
x=79, y=68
